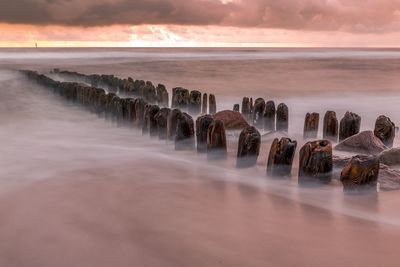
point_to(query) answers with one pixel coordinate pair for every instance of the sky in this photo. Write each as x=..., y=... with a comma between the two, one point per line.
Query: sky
x=191, y=23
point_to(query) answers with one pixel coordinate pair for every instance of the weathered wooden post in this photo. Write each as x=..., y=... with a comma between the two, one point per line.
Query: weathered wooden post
x=184, y=139
x=248, y=147
x=162, y=122
x=360, y=174
x=269, y=116
x=385, y=130
x=331, y=126
x=349, y=125
x=140, y=106
x=315, y=164
x=195, y=102
x=212, y=104
x=282, y=118
x=258, y=113
x=311, y=124
x=180, y=98
x=150, y=123
x=204, y=109
x=246, y=108
x=172, y=123
x=280, y=158
x=162, y=96
x=216, y=140
x=202, y=124
x=236, y=107
x=149, y=93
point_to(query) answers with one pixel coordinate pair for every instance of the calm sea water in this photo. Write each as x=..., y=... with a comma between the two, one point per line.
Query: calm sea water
x=77, y=190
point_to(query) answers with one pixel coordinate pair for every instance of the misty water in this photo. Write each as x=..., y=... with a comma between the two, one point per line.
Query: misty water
x=76, y=190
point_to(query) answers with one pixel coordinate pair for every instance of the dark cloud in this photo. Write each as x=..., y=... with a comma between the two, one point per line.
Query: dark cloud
x=348, y=15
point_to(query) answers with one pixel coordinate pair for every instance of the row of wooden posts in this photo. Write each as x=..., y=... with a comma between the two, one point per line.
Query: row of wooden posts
x=207, y=135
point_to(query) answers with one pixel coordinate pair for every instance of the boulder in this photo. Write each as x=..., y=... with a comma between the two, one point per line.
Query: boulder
x=360, y=174
x=385, y=130
x=349, y=125
x=269, y=116
x=195, y=102
x=258, y=113
x=212, y=104
x=232, y=120
x=248, y=147
x=311, y=124
x=202, y=124
x=390, y=157
x=331, y=126
x=316, y=163
x=184, y=138
x=365, y=142
x=282, y=118
x=280, y=158
x=216, y=140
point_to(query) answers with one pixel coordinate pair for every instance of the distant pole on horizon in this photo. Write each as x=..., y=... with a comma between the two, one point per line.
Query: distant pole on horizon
x=35, y=44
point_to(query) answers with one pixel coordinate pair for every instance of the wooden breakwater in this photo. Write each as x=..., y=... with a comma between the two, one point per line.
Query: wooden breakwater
x=146, y=107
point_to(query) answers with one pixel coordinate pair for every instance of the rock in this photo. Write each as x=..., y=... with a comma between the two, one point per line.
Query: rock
x=236, y=107
x=269, y=116
x=180, y=98
x=216, y=140
x=258, y=113
x=162, y=123
x=365, y=142
x=282, y=118
x=331, y=126
x=248, y=147
x=195, y=102
x=246, y=108
x=385, y=130
x=349, y=125
x=204, y=108
x=150, y=120
x=390, y=157
x=172, y=123
x=311, y=124
x=232, y=120
x=316, y=163
x=202, y=124
x=184, y=138
x=280, y=158
x=162, y=96
x=360, y=174
x=212, y=104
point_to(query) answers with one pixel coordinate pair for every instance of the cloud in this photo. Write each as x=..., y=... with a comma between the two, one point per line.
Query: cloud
x=314, y=15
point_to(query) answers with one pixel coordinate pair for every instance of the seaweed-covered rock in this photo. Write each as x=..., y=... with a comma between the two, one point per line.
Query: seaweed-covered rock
x=258, y=113
x=360, y=174
x=311, y=124
x=202, y=124
x=331, y=126
x=349, y=125
x=316, y=163
x=216, y=140
x=162, y=122
x=282, y=118
x=212, y=102
x=385, y=130
x=269, y=116
x=280, y=158
x=365, y=142
x=184, y=138
x=195, y=102
x=248, y=147
x=232, y=120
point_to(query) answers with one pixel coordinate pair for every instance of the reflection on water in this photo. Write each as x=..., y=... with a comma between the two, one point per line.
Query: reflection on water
x=77, y=190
